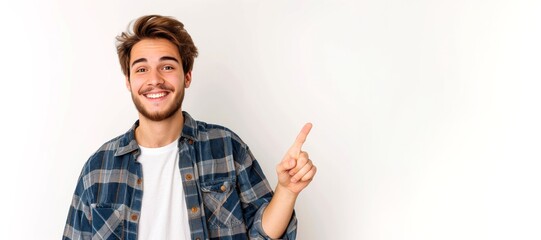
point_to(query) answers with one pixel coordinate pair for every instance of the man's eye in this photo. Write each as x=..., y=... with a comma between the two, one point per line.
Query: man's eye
x=140, y=70
x=168, y=68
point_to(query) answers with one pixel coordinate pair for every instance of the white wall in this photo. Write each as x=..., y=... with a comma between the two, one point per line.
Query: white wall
x=426, y=113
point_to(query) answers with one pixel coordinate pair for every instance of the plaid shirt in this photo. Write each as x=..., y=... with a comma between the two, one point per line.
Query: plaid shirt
x=224, y=186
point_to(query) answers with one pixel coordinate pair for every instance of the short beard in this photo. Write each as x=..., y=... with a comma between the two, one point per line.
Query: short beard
x=159, y=116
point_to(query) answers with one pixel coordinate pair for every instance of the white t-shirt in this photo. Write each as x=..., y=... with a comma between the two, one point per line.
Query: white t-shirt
x=163, y=212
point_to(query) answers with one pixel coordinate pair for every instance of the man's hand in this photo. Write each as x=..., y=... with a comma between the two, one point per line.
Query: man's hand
x=296, y=170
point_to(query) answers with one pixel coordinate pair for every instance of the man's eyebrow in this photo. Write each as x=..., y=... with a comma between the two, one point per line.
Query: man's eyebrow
x=138, y=61
x=164, y=58
x=169, y=58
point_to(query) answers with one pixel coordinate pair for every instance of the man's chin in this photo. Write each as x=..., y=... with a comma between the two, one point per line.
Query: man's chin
x=158, y=116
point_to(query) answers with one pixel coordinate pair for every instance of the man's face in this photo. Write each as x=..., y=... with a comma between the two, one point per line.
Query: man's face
x=156, y=80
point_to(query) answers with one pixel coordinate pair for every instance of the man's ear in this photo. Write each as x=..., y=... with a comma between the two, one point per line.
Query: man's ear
x=188, y=79
x=128, y=86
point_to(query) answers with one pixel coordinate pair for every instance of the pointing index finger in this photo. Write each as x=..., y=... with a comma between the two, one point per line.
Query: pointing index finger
x=301, y=138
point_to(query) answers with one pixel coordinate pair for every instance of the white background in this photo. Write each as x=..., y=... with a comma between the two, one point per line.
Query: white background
x=426, y=113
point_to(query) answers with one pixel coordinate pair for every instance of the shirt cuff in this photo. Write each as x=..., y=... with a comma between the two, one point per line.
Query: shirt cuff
x=290, y=232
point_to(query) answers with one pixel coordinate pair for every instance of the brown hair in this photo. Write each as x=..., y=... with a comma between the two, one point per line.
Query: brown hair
x=156, y=26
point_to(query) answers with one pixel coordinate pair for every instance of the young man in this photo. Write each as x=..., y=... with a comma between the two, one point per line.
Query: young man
x=172, y=177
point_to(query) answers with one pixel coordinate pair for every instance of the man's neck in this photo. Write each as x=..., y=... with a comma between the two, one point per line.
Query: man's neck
x=153, y=134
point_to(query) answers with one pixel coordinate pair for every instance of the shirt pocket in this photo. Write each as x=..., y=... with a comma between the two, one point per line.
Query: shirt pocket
x=222, y=204
x=107, y=221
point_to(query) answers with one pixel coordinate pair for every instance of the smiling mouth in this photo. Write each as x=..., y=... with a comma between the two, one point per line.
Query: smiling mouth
x=155, y=95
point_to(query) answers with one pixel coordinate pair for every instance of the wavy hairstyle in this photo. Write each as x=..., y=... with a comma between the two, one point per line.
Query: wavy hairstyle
x=153, y=27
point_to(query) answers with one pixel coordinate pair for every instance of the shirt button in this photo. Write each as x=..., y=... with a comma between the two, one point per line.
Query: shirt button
x=189, y=176
x=223, y=188
x=190, y=141
x=134, y=217
x=197, y=238
x=139, y=181
x=195, y=209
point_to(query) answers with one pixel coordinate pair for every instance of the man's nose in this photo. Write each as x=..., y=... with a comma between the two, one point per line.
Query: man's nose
x=155, y=78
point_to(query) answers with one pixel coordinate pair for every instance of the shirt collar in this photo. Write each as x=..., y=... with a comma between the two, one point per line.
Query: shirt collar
x=189, y=130
x=127, y=143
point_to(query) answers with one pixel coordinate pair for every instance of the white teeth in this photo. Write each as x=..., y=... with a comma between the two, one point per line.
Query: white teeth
x=155, y=95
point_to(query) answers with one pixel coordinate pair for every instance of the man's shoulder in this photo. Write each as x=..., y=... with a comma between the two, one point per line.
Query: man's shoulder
x=112, y=145
x=105, y=153
x=204, y=127
x=209, y=131
x=216, y=142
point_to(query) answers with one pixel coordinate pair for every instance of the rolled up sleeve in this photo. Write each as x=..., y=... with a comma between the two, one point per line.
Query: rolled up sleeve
x=255, y=195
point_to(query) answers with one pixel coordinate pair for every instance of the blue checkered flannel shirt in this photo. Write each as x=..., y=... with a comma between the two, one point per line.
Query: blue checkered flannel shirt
x=225, y=188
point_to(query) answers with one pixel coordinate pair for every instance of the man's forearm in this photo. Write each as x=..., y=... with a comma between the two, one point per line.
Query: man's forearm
x=277, y=215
